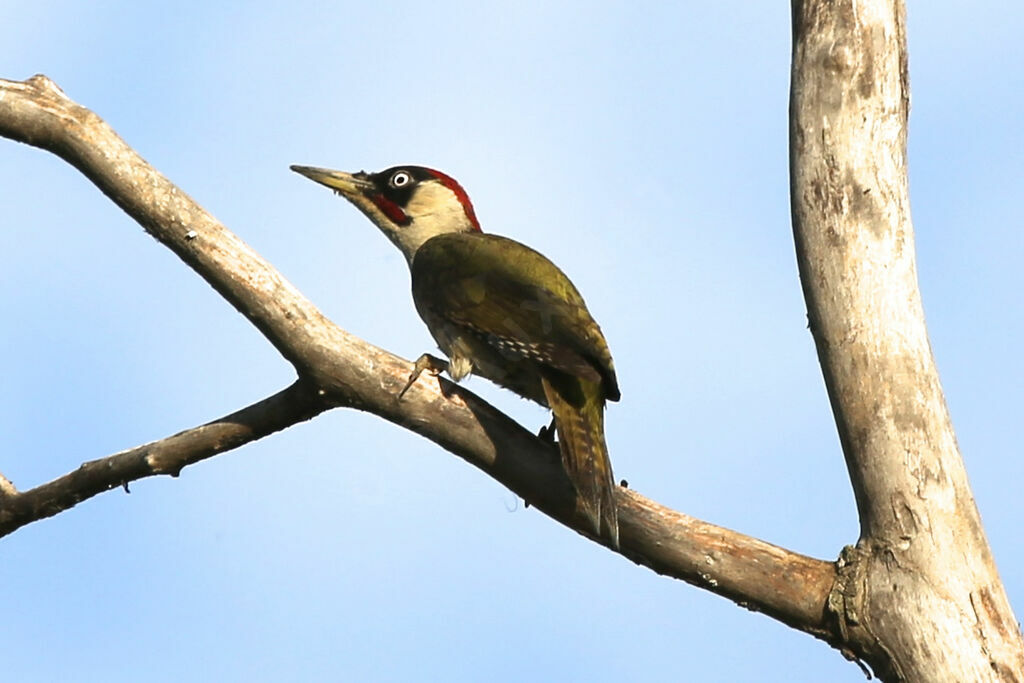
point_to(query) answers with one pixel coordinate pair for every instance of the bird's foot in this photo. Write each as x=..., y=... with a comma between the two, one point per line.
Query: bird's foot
x=547, y=435
x=432, y=364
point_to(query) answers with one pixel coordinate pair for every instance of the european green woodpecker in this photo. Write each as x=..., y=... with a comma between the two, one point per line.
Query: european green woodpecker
x=500, y=310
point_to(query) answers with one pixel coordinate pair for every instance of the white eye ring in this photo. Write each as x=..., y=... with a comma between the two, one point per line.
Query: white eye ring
x=400, y=179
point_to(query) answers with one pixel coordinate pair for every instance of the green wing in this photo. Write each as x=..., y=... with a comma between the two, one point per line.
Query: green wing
x=515, y=299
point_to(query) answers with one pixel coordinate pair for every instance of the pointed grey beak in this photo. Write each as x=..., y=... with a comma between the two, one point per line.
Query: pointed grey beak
x=345, y=184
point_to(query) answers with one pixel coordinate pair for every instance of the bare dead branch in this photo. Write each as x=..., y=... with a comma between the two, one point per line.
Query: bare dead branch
x=343, y=370
x=167, y=456
x=923, y=562
x=7, y=489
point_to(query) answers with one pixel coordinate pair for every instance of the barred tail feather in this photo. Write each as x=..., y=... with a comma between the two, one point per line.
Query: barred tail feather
x=578, y=405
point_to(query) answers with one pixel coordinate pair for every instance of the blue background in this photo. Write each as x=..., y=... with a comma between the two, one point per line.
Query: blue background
x=643, y=147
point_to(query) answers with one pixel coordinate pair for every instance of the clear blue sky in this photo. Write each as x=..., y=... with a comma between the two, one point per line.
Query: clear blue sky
x=643, y=148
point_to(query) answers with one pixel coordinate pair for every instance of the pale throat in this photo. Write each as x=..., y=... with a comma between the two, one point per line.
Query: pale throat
x=435, y=210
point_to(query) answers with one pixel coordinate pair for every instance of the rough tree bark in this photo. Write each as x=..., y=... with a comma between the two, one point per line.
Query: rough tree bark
x=918, y=598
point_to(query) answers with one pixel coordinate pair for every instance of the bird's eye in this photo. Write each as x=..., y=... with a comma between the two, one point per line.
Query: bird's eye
x=400, y=179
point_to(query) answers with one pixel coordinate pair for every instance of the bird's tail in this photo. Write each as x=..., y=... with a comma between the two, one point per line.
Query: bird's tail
x=578, y=405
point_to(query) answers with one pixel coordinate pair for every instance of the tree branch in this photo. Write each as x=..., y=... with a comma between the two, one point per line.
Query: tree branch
x=168, y=456
x=337, y=369
x=7, y=489
x=922, y=561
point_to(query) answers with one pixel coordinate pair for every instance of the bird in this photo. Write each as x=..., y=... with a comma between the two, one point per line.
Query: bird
x=500, y=310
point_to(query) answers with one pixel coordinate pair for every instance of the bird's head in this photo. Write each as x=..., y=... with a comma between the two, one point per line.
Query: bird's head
x=410, y=204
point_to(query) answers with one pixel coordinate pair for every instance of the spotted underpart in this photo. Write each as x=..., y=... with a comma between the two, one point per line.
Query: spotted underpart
x=542, y=352
x=552, y=354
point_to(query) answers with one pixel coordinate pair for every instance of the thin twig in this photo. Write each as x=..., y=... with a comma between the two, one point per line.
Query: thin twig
x=167, y=456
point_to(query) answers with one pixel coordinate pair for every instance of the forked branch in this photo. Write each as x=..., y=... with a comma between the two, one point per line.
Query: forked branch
x=337, y=369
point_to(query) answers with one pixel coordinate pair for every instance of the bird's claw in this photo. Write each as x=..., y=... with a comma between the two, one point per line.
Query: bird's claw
x=433, y=365
x=547, y=433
